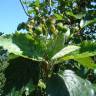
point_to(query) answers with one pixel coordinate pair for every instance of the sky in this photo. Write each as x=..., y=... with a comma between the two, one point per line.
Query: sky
x=11, y=14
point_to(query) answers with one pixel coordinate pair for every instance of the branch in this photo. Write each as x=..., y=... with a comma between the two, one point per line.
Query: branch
x=24, y=9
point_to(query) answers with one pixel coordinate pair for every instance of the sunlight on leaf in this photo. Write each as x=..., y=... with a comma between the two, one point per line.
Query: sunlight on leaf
x=10, y=46
x=86, y=62
x=65, y=51
x=83, y=58
x=68, y=83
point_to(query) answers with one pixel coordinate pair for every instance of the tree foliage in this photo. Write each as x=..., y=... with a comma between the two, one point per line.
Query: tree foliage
x=59, y=35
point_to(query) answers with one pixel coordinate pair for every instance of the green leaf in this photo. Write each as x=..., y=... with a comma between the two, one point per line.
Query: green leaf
x=86, y=62
x=31, y=47
x=30, y=11
x=58, y=16
x=37, y=2
x=22, y=44
x=76, y=16
x=76, y=85
x=7, y=43
x=68, y=84
x=83, y=58
x=54, y=45
x=21, y=26
x=65, y=51
x=83, y=55
x=90, y=22
x=78, y=55
x=87, y=46
x=56, y=86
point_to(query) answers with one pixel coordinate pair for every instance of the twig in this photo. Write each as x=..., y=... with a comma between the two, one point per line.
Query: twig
x=24, y=9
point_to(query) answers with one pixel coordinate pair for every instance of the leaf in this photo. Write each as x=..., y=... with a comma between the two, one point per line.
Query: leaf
x=7, y=43
x=76, y=16
x=56, y=86
x=68, y=84
x=79, y=55
x=83, y=58
x=65, y=51
x=54, y=45
x=58, y=16
x=87, y=46
x=22, y=44
x=30, y=11
x=87, y=23
x=31, y=47
x=86, y=62
x=41, y=84
x=37, y=2
x=83, y=55
x=76, y=84
x=21, y=26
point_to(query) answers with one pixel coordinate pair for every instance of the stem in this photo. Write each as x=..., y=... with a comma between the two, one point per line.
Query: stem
x=24, y=8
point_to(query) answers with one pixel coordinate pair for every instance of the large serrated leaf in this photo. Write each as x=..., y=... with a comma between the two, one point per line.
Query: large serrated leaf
x=82, y=58
x=31, y=48
x=54, y=45
x=65, y=51
x=78, y=56
x=69, y=84
x=7, y=43
x=86, y=62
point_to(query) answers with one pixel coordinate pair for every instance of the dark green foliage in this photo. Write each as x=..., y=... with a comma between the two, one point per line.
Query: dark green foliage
x=1, y=33
x=3, y=66
x=2, y=81
x=21, y=26
x=20, y=72
x=87, y=46
x=55, y=88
